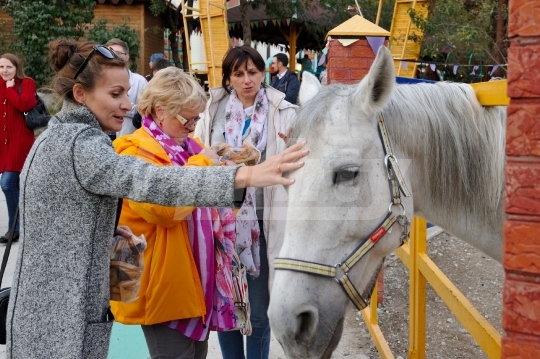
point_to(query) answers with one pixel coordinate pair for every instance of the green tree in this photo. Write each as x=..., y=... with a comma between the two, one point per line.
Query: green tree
x=101, y=34
x=37, y=22
x=464, y=31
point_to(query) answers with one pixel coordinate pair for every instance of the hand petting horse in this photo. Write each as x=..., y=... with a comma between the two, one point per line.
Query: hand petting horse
x=350, y=206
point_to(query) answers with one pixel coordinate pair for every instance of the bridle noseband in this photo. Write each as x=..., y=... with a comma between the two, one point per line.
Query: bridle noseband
x=340, y=271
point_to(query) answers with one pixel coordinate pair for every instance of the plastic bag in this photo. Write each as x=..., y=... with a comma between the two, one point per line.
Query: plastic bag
x=127, y=265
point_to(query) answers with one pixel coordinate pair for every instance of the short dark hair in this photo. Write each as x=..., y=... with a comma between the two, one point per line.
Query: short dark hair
x=239, y=56
x=281, y=57
x=161, y=64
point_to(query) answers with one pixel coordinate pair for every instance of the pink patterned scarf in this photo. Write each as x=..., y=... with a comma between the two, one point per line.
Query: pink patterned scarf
x=211, y=234
x=247, y=226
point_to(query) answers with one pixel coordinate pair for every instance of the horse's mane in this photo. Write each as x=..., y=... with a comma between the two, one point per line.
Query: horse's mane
x=461, y=142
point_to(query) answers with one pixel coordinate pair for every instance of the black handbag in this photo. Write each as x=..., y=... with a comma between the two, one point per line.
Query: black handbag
x=38, y=116
x=4, y=292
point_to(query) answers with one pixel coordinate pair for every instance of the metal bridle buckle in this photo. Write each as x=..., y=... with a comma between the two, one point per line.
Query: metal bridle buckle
x=387, y=165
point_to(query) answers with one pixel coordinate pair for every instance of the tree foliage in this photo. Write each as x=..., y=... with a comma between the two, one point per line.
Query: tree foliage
x=463, y=31
x=37, y=22
x=101, y=34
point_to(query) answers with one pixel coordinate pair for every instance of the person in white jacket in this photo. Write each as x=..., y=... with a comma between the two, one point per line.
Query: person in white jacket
x=245, y=109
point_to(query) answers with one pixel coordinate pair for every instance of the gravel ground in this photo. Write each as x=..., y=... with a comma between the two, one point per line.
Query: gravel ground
x=477, y=276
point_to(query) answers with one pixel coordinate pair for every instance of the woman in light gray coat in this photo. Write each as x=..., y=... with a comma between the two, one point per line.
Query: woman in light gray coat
x=70, y=187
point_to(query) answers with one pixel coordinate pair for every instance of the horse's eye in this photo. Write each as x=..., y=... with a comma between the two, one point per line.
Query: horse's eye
x=346, y=174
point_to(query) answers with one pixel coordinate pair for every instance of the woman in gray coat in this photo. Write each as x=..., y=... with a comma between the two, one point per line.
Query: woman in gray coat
x=69, y=190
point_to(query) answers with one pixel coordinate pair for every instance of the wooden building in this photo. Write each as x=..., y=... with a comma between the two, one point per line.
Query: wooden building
x=138, y=16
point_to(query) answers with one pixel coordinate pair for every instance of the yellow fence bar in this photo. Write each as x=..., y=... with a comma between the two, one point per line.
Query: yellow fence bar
x=370, y=317
x=487, y=337
x=492, y=93
x=423, y=270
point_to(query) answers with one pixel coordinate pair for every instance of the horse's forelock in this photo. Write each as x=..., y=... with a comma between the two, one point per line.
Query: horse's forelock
x=316, y=110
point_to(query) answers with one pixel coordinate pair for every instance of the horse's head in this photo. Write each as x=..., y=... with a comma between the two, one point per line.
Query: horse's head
x=340, y=197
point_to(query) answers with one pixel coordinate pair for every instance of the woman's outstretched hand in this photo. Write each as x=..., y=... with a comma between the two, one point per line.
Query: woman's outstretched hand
x=270, y=172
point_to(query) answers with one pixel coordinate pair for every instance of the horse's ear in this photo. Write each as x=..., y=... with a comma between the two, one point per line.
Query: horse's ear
x=374, y=91
x=309, y=88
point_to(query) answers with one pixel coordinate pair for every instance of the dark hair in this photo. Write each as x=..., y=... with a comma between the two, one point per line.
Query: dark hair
x=67, y=57
x=19, y=71
x=161, y=64
x=237, y=57
x=282, y=58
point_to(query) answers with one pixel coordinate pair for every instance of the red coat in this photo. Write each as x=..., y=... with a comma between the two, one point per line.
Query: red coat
x=15, y=138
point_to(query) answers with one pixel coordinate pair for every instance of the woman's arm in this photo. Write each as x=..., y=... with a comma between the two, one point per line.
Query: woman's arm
x=26, y=99
x=100, y=170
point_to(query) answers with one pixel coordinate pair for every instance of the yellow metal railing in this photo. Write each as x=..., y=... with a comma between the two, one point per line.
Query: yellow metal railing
x=422, y=270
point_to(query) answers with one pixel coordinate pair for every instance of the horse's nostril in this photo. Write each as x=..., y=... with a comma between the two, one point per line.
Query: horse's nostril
x=307, y=324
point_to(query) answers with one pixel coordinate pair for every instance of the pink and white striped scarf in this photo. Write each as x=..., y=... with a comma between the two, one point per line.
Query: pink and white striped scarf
x=211, y=234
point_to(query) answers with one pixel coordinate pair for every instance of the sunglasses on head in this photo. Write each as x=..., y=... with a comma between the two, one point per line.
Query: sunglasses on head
x=187, y=123
x=104, y=51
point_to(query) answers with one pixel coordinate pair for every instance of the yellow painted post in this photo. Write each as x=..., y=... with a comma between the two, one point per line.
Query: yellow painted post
x=373, y=308
x=417, y=292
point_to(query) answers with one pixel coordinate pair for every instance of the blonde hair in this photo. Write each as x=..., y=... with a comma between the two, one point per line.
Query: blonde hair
x=172, y=90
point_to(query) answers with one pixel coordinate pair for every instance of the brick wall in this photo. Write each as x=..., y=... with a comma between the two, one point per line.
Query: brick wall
x=521, y=296
x=349, y=64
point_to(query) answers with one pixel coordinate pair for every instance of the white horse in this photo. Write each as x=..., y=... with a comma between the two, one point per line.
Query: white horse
x=450, y=151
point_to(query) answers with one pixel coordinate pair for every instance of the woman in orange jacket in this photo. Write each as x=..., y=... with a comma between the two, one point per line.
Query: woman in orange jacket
x=185, y=287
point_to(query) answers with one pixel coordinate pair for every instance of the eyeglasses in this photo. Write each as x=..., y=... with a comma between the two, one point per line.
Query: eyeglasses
x=104, y=51
x=188, y=123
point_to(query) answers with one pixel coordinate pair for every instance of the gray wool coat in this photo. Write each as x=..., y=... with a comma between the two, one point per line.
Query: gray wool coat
x=69, y=189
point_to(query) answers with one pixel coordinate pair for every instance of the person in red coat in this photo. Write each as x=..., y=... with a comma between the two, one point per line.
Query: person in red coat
x=17, y=95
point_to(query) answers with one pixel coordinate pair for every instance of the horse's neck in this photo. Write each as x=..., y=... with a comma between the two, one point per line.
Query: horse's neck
x=485, y=236
x=455, y=164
